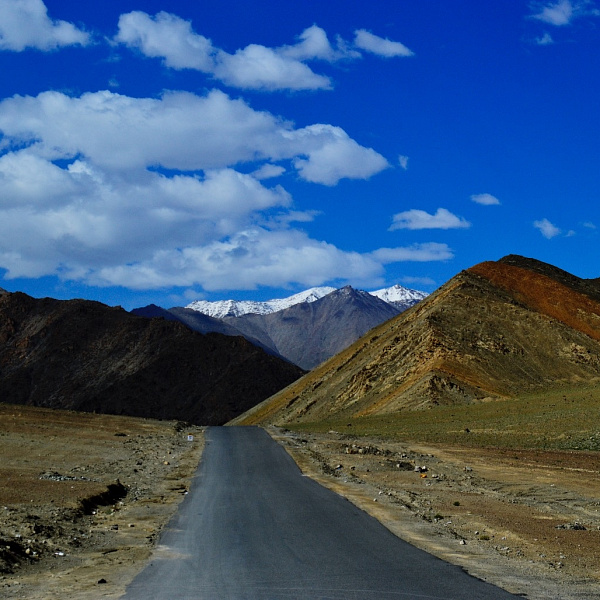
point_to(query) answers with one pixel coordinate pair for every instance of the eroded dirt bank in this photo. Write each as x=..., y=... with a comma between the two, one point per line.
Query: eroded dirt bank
x=528, y=521
x=84, y=497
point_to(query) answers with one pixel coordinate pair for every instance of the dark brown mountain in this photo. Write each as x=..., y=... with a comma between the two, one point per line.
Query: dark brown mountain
x=200, y=322
x=83, y=355
x=497, y=330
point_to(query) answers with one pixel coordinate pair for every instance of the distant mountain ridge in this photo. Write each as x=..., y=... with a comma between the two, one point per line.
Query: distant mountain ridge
x=236, y=308
x=306, y=328
x=497, y=330
x=397, y=295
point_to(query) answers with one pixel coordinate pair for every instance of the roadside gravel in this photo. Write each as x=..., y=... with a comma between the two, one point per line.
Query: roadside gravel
x=527, y=521
x=84, y=498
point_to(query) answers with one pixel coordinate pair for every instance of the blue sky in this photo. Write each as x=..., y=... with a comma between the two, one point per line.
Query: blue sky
x=164, y=152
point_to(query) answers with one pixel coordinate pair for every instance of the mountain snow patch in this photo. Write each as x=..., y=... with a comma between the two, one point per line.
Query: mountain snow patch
x=396, y=295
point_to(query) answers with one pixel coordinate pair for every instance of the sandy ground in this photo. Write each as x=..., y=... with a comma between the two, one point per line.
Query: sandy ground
x=62, y=533
x=528, y=521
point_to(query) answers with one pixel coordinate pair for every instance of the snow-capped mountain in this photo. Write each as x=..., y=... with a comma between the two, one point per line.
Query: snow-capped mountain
x=400, y=296
x=237, y=308
x=397, y=295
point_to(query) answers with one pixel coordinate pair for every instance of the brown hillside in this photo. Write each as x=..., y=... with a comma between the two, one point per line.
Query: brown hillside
x=85, y=356
x=545, y=295
x=494, y=331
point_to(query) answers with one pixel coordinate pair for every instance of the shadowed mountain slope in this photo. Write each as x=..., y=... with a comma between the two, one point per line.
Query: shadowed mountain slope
x=496, y=330
x=200, y=322
x=83, y=355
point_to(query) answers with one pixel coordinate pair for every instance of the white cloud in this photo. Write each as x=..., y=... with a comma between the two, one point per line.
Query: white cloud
x=547, y=229
x=169, y=37
x=268, y=171
x=84, y=195
x=259, y=257
x=563, y=12
x=545, y=40
x=261, y=68
x=258, y=67
x=403, y=161
x=26, y=24
x=381, y=46
x=427, y=252
x=485, y=199
x=179, y=131
x=557, y=13
x=419, y=219
x=332, y=155
x=314, y=44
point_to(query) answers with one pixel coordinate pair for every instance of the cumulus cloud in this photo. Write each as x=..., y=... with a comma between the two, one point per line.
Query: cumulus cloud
x=485, y=199
x=562, y=12
x=168, y=37
x=547, y=229
x=332, y=155
x=144, y=193
x=251, y=258
x=261, y=257
x=365, y=40
x=419, y=219
x=403, y=161
x=172, y=38
x=313, y=44
x=26, y=24
x=180, y=131
x=258, y=67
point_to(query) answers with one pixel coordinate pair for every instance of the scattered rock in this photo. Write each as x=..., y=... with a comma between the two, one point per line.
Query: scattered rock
x=575, y=526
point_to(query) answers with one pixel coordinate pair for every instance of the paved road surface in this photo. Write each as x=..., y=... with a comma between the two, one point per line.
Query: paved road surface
x=252, y=527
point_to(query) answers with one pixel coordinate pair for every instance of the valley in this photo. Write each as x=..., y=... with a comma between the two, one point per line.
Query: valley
x=467, y=424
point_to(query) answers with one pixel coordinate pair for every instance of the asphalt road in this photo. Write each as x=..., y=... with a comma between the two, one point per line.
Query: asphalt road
x=253, y=527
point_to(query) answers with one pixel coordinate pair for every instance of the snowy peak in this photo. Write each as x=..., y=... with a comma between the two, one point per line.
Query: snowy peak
x=397, y=296
x=237, y=308
x=400, y=296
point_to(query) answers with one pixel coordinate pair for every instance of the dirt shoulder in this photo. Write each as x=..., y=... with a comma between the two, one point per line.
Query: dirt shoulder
x=528, y=521
x=84, y=497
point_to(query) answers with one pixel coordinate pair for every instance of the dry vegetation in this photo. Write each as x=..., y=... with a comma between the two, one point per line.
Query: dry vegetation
x=83, y=498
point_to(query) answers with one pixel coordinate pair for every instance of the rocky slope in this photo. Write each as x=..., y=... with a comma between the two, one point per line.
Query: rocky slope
x=86, y=356
x=496, y=330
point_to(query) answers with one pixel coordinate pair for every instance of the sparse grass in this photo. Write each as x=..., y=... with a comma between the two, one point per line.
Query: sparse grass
x=567, y=418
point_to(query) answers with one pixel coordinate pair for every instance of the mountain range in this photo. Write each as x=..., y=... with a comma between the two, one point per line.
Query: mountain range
x=306, y=328
x=397, y=295
x=86, y=356
x=494, y=331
